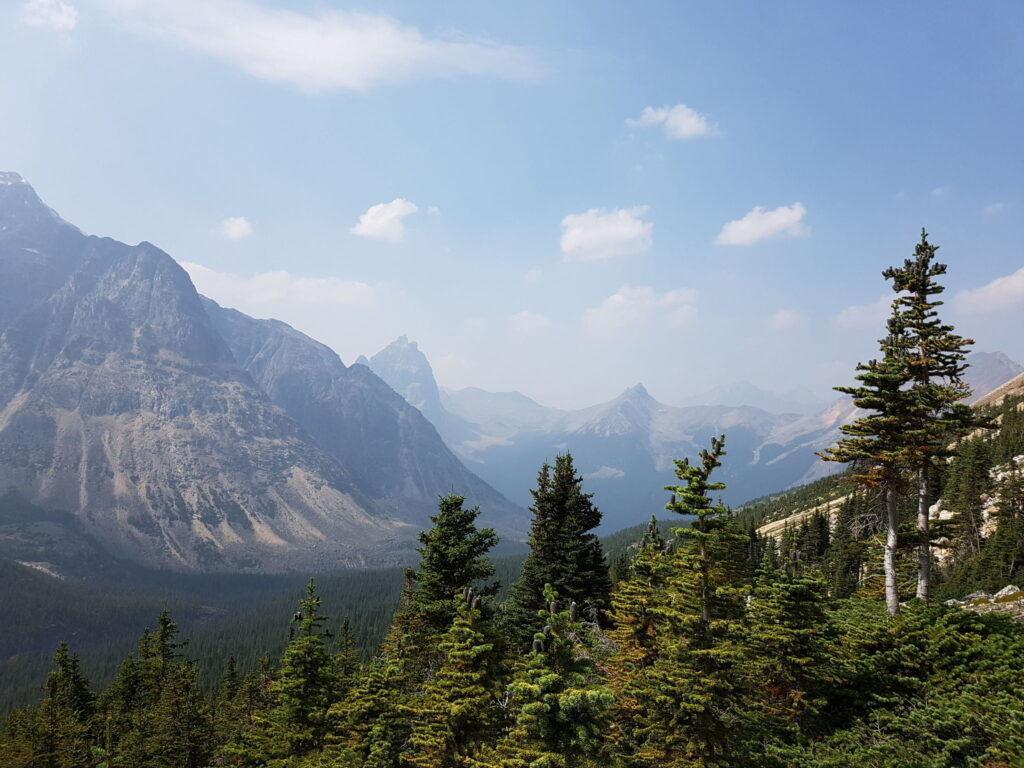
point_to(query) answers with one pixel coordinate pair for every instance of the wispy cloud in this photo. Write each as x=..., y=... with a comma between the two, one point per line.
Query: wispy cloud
x=1000, y=295
x=606, y=473
x=761, y=224
x=524, y=323
x=236, y=228
x=634, y=306
x=250, y=293
x=50, y=14
x=318, y=51
x=599, y=234
x=385, y=221
x=943, y=191
x=785, y=319
x=993, y=209
x=680, y=122
x=858, y=317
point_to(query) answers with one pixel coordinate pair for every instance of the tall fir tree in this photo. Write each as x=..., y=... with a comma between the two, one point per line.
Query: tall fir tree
x=563, y=552
x=302, y=692
x=458, y=709
x=453, y=556
x=936, y=361
x=881, y=446
x=559, y=703
x=689, y=698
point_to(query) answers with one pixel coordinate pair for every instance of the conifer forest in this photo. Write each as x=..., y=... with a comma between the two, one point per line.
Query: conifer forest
x=867, y=619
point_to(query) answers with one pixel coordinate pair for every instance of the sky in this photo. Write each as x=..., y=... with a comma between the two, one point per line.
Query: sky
x=562, y=199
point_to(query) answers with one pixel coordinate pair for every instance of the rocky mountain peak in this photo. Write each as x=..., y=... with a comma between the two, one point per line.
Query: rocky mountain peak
x=407, y=371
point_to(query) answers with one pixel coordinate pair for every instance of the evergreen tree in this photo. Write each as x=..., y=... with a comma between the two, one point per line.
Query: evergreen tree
x=935, y=361
x=458, y=706
x=63, y=738
x=563, y=552
x=689, y=698
x=843, y=560
x=302, y=692
x=453, y=556
x=559, y=704
x=881, y=445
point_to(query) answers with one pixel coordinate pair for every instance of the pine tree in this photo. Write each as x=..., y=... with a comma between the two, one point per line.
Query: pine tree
x=563, y=552
x=689, y=699
x=785, y=629
x=638, y=614
x=453, y=556
x=881, y=445
x=936, y=361
x=345, y=659
x=64, y=715
x=458, y=706
x=302, y=692
x=559, y=704
x=843, y=561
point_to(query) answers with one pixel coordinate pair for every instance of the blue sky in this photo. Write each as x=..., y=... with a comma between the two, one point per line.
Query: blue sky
x=560, y=198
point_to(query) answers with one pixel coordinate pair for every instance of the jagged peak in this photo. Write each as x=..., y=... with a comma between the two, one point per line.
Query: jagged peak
x=637, y=393
x=8, y=178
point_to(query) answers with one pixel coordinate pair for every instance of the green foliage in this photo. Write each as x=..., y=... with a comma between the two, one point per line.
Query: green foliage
x=563, y=552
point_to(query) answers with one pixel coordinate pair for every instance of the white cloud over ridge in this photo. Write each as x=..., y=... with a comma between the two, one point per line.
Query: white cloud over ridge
x=321, y=51
x=680, y=122
x=1003, y=293
x=385, y=221
x=236, y=228
x=634, y=306
x=600, y=234
x=50, y=14
x=760, y=224
x=250, y=293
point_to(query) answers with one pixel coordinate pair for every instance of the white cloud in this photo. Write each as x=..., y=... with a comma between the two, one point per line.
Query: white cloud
x=236, y=227
x=1001, y=294
x=606, y=473
x=251, y=293
x=534, y=275
x=50, y=14
x=529, y=322
x=680, y=121
x=599, y=234
x=785, y=319
x=634, y=306
x=318, y=51
x=860, y=317
x=994, y=208
x=942, y=191
x=759, y=224
x=384, y=221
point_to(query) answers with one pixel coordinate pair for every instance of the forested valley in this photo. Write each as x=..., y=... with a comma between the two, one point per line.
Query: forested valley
x=847, y=623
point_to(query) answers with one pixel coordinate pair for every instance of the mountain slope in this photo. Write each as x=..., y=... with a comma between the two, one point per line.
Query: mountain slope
x=399, y=463
x=123, y=406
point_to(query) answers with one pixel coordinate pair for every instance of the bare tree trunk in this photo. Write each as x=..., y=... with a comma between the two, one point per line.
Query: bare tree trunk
x=892, y=595
x=924, y=545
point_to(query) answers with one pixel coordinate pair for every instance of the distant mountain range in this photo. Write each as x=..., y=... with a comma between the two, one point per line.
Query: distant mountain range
x=624, y=448
x=144, y=422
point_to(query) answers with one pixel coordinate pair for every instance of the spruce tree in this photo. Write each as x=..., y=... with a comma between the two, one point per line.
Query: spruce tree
x=64, y=715
x=881, y=446
x=458, y=707
x=563, y=552
x=559, y=704
x=453, y=556
x=689, y=698
x=302, y=692
x=936, y=361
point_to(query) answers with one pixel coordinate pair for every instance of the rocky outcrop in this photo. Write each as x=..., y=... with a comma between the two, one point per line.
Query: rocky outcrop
x=1008, y=601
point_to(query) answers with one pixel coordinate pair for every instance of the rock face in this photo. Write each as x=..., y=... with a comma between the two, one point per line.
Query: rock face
x=179, y=436
x=989, y=371
x=398, y=462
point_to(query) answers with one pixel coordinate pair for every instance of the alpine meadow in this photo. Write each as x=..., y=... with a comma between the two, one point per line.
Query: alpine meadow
x=513, y=385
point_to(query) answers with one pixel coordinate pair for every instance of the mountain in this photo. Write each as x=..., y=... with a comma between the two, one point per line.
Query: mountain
x=988, y=371
x=176, y=434
x=744, y=393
